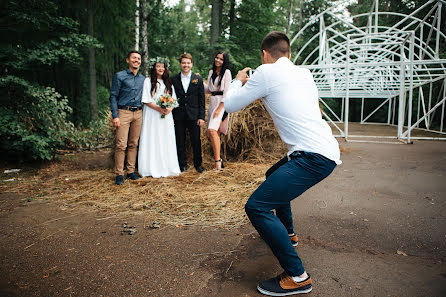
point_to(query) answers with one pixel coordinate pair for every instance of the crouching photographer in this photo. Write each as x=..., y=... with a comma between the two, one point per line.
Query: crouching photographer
x=291, y=97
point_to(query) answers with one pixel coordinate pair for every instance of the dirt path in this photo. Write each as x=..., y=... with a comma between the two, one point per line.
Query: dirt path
x=375, y=227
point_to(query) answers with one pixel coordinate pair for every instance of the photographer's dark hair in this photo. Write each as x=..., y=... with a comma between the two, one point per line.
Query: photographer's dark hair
x=223, y=67
x=165, y=77
x=277, y=44
x=133, y=52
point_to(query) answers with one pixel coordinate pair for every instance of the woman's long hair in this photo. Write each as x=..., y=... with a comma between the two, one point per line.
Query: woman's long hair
x=165, y=77
x=223, y=67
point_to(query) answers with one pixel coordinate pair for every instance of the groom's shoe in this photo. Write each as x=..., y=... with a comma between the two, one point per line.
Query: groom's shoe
x=119, y=180
x=133, y=176
x=199, y=169
x=183, y=168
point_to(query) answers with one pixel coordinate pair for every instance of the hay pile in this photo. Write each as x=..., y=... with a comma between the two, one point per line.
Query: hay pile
x=213, y=198
x=252, y=136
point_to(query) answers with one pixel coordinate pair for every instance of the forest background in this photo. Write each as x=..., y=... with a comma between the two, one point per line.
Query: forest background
x=58, y=57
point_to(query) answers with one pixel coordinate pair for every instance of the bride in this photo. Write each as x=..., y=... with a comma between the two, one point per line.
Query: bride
x=157, y=155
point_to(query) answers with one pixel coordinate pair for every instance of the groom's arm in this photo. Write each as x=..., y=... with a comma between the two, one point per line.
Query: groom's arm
x=201, y=103
x=201, y=100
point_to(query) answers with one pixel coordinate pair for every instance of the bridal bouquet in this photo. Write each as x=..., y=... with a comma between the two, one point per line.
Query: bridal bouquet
x=166, y=101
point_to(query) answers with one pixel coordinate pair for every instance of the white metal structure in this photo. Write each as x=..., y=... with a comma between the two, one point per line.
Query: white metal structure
x=361, y=58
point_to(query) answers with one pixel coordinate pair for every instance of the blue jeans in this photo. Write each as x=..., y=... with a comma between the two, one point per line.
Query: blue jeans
x=285, y=181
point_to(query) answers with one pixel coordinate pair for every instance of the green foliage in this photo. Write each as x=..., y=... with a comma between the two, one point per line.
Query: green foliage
x=103, y=99
x=35, y=125
x=255, y=19
x=44, y=67
x=41, y=53
x=97, y=134
x=47, y=53
x=42, y=39
x=309, y=9
x=179, y=29
x=114, y=29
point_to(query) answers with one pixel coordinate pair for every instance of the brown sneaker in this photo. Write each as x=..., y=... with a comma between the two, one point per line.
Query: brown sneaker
x=294, y=240
x=284, y=285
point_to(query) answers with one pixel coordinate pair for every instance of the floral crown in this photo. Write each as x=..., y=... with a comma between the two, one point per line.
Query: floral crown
x=153, y=61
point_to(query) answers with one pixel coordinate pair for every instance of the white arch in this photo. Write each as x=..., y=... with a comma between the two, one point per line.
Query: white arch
x=378, y=61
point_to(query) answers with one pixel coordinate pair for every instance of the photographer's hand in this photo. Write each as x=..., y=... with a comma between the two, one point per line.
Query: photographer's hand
x=242, y=75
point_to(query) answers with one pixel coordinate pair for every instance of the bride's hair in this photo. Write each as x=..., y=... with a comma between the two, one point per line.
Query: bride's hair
x=223, y=67
x=165, y=77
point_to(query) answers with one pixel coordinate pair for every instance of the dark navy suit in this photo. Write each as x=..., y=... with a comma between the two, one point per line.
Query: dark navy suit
x=191, y=109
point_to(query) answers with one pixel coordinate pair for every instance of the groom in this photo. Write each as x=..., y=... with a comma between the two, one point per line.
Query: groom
x=191, y=112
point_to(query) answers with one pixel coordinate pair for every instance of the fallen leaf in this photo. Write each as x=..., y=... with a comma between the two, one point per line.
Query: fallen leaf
x=401, y=253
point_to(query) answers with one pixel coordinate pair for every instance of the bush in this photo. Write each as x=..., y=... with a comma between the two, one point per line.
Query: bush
x=98, y=134
x=33, y=122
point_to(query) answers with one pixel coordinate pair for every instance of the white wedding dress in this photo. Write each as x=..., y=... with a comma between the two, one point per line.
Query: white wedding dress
x=157, y=154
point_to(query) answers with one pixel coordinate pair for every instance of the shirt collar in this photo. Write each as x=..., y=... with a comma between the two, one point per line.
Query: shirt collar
x=283, y=60
x=188, y=76
x=130, y=72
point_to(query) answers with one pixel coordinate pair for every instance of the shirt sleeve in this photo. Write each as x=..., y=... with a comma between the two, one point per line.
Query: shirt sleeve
x=174, y=95
x=201, y=100
x=238, y=96
x=114, y=93
x=206, y=86
x=227, y=77
x=146, y=95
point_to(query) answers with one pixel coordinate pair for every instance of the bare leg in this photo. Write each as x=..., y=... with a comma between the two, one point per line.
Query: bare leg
x=214, y=137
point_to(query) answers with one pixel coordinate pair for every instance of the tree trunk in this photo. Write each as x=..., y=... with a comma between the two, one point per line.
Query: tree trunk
x=137, y=26
x=216, y=16
x=300, y=7
x=231, y=16
x=92, y=66
x=290, y=17
x=145, y=49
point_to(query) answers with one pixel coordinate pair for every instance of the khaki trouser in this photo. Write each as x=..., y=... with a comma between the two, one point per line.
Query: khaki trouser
x=127, y=136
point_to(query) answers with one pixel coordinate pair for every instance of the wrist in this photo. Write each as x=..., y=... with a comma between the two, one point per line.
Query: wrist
x=237, y=81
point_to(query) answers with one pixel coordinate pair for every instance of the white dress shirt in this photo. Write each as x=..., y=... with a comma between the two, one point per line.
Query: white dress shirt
x=291, y=97
x=185, y=81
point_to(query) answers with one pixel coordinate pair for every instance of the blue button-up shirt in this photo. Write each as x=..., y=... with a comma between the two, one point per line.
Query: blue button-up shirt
x=126, y=90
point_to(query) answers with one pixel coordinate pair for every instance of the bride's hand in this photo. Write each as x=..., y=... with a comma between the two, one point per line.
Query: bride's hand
x=161, y=110
x=168, y=110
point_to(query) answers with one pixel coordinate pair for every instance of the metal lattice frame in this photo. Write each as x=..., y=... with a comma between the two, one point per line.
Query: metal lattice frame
x=399, y=65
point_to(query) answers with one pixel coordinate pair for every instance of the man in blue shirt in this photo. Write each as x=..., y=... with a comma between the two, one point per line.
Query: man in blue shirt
x=126, y=108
